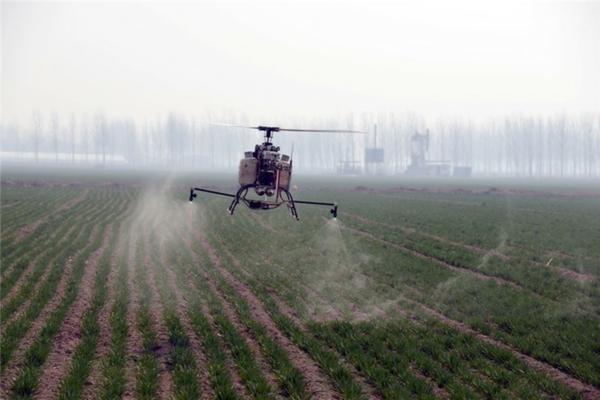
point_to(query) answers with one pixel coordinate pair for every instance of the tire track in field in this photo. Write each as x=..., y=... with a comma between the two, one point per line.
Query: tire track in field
x=587, y=391
x=13, y=368
x=317, y=384
x=163, y=345
x=70, y=333
x=28, y=229
x=235, y=321
x=182, y=307
x=367, y=389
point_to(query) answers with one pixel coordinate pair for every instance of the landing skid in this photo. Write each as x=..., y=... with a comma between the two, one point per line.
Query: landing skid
x=240, y=196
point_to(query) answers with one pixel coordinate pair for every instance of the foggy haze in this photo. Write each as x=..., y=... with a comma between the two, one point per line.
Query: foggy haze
x=504, y=87
x=270, y=59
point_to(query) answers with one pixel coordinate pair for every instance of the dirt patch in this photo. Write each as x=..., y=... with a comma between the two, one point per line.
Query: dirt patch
x=15, y=364
x=69, y=336
x=317, y=383
x=26, y=230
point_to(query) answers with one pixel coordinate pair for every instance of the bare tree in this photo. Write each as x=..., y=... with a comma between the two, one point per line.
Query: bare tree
x=54, y=129
x=37, y=130
x=72, y=126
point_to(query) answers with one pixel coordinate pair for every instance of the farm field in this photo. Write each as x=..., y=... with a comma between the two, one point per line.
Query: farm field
x=113, y=285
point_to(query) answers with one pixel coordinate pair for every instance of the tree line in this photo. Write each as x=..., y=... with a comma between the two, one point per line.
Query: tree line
x=523, y=146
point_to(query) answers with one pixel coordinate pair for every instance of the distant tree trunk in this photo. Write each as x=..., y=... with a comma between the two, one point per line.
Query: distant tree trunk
x=72, y=131
x=55, y=127
x=37, y=127
x=86, y=140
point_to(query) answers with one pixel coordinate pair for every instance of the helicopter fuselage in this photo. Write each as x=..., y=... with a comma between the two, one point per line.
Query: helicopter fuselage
x=266, y=169
x=269, y=174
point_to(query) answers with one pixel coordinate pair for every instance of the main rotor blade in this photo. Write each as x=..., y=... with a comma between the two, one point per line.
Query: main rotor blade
x=321, y=130
x=234, y=126
x=277, y=129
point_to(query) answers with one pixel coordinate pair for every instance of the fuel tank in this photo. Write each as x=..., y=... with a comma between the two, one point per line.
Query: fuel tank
x=285, y=172
x=248, y=169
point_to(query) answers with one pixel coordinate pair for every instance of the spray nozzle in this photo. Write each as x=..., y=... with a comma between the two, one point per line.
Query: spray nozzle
x=192, y=195
x=333, y=211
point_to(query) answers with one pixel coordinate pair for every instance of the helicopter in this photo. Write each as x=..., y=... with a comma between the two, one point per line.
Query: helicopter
x=268, y=174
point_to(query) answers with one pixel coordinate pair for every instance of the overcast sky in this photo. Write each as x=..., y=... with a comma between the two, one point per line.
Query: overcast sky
x=470, y=59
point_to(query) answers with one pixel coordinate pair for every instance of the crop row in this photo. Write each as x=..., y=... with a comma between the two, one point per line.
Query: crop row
x=35, y=356
x=533, y=332
x=81, y=245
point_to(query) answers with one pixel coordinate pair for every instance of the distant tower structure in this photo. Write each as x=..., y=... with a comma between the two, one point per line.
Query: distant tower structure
x=373, y=156
x=419, y=145
x=419, y=165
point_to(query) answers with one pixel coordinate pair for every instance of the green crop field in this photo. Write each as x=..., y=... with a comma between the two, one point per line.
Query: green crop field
x=113, y=285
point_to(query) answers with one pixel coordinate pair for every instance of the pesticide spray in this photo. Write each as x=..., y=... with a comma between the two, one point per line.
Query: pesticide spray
x=338, y=287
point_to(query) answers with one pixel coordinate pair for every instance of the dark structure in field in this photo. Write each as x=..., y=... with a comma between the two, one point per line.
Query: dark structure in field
x=374, y=157
x=420, y=166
